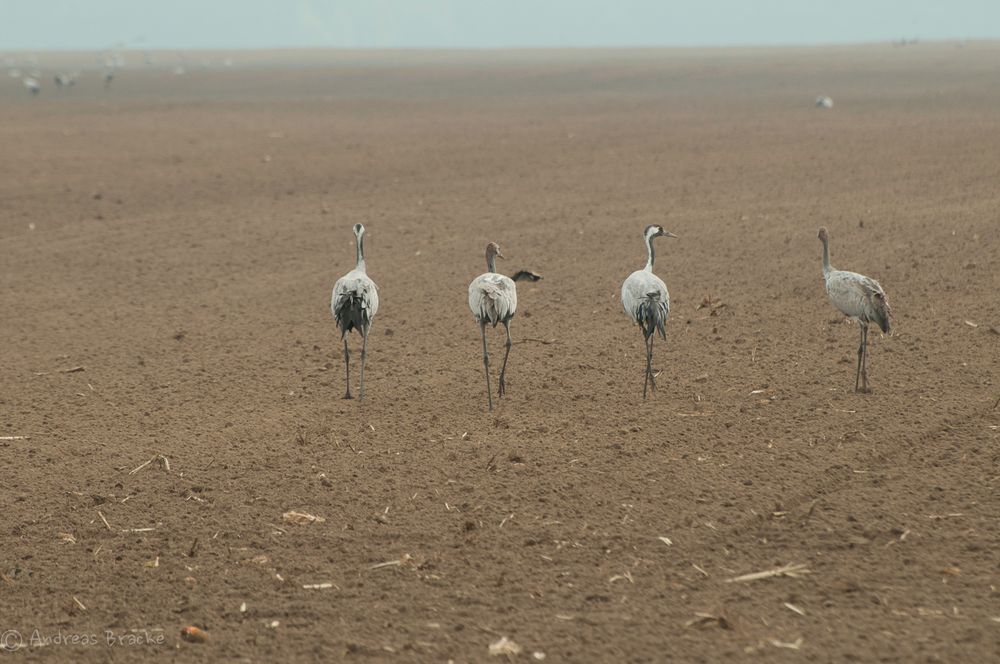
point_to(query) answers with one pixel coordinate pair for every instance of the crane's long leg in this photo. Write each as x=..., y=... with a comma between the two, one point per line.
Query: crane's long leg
x=347, y=368
x=503, y=369
x=486, y=365
x=864, y=360
x=364, y=354
x=861, y=377
x=649, y=363
x=861, y=354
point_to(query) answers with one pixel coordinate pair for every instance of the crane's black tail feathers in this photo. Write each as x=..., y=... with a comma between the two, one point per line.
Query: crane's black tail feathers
x=652, y=316
x=525, y=275
x=351, y=314
x=882, y=311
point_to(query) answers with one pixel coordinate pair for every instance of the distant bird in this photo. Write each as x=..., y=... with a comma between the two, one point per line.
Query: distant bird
x=859, y=297
x=354, y=304
x=824, y=102
x=647, y=301
x=493, y=299
x=32, y=84
x=64, y=80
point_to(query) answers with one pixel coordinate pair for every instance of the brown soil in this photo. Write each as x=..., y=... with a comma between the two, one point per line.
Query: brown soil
x=187, y=231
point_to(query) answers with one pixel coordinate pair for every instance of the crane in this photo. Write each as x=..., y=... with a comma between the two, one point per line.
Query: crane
x=859, y=297
x=354, y=304
x=493, y=299
x=647, y=301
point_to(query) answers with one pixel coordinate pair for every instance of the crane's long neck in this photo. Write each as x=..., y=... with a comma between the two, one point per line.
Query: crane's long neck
x=826, y=256
x=491, y=262
x=361, y=250
x=651, y=254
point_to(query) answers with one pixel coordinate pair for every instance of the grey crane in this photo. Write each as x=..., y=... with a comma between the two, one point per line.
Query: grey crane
x=647, y=301
x=493, y=299
x=354, y=304
x=859, y=297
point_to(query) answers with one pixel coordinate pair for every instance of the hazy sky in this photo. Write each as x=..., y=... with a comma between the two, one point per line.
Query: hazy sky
x=95, y=24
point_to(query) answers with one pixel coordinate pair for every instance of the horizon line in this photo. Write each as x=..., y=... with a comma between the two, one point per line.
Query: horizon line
x=631, y=47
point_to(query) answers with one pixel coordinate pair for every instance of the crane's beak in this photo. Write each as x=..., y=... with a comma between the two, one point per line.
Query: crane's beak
x=500, y=255
x=668, y=234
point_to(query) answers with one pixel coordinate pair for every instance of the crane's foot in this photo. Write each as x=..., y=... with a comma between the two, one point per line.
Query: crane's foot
x=348, y=395
x=864, y=389
x=502, y=389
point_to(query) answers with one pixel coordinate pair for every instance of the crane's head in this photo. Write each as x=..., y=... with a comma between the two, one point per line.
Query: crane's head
x=656, y=231
x=359, y=230
x=493, y=250
x=823, y=235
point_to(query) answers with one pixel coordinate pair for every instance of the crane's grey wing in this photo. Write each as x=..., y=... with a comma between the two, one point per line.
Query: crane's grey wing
x=493, y=298
x=372, y=291
x=859, y=296
x=843, y=291
x=631, y=292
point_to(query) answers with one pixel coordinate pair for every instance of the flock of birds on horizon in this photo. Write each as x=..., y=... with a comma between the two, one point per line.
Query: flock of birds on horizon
x=29, y=70
x=112, y=61
x=644, y=296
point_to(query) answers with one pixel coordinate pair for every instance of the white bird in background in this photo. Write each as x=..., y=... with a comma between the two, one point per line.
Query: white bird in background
x=859, y=297
x=646, y=299
x=65, y=80
x=493, y=299
x=32, y=84
x=354, y=304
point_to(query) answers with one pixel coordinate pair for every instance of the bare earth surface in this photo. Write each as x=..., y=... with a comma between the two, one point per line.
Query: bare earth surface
x=176, y=238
